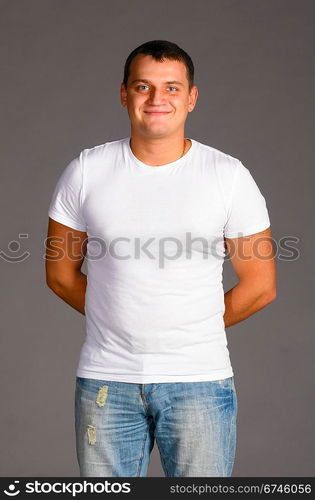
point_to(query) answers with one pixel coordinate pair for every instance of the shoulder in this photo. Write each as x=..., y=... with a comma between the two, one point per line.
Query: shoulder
x=98, y=151
x=224, y=163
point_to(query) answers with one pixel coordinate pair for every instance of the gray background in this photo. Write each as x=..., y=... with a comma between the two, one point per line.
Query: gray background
x=61, y=67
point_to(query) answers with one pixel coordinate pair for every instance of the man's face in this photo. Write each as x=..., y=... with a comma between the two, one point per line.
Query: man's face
x=157, y=96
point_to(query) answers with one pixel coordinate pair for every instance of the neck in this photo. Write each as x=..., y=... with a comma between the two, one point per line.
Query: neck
x=159, y=151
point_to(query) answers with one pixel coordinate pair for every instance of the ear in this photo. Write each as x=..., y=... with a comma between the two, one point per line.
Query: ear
x=192, y=99
x=123, y=95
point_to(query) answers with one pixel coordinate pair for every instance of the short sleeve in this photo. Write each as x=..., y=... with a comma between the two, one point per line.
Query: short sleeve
x=65, y=206
x=247, y=212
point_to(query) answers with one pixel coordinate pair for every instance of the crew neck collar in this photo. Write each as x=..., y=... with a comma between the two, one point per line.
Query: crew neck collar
x=164, y=167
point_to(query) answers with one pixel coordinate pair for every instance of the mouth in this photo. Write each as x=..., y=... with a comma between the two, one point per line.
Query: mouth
x=157, y=113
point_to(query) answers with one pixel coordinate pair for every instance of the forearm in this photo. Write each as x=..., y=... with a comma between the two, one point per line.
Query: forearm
x=73, y=293
x=242, y=301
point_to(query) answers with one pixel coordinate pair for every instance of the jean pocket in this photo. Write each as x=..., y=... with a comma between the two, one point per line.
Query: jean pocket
x=225, y=383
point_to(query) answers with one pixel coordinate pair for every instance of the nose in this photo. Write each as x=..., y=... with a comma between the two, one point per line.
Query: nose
x=156, y=97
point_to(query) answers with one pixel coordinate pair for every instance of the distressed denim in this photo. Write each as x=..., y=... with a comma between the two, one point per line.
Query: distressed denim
x=193, y=423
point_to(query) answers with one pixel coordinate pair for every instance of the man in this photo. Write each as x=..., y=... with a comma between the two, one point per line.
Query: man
x=152, y=214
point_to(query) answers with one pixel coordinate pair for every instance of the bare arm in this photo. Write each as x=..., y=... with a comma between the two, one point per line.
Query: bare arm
x=65, y=253
x=252, y=258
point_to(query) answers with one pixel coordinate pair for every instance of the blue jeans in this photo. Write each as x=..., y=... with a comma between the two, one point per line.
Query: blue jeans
x=194, y=424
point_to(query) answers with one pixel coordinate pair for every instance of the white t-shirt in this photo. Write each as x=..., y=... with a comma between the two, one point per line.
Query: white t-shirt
x=154, y=301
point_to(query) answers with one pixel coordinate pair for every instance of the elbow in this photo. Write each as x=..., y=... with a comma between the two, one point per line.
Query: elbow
x=54, y=279
x=264, y=293
x=64, y=281
x=270, y=295
x=52, y=282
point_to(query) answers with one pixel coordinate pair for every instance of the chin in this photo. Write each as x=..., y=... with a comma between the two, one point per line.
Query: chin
x=158, y=132
x=158, y=135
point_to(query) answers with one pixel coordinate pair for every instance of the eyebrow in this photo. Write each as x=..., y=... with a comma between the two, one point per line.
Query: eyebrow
x=148, y=81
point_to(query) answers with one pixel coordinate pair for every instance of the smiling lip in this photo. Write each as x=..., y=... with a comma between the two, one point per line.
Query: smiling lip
x=157, y=112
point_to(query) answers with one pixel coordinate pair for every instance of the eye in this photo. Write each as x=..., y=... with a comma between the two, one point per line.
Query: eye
x=175, y=88
x=140, y=87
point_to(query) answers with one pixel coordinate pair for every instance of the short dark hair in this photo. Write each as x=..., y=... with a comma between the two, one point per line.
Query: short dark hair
x=160, y=50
